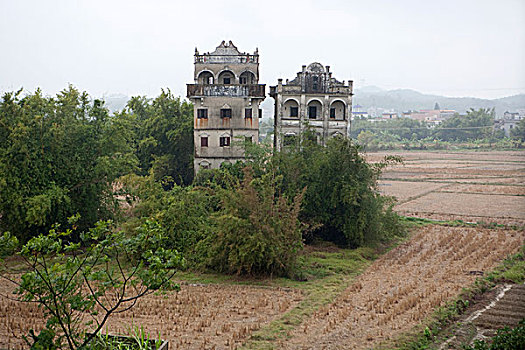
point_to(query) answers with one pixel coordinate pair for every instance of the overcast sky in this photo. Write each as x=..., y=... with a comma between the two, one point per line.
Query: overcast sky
x=449, y=47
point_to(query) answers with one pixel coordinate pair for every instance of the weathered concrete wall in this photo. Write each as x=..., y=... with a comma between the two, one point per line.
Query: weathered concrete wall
x=313, y=86
x=211, y=93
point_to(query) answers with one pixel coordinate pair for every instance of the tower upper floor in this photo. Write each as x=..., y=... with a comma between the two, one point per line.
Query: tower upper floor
x=226, y=72
x=314, y=79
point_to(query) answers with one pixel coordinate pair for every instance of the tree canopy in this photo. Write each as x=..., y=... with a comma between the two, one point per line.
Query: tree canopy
x=58, y=157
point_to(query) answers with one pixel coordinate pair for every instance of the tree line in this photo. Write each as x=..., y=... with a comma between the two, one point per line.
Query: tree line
x=476, y=125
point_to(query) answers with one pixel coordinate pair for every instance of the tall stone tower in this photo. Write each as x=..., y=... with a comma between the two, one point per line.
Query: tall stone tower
x=313, y=98
x=226, y=97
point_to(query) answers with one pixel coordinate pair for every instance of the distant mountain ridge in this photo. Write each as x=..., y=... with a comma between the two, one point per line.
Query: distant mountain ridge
x=407, y=99
x=399, y=100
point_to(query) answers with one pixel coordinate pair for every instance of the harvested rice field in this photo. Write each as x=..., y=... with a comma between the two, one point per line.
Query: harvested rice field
x=197, y=317
x=402, y=287
x=471, y=186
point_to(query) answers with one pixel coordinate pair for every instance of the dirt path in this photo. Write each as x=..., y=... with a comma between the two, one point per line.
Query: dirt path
x=403, y=287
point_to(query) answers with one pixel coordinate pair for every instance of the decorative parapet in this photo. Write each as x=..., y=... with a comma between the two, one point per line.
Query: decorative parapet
x=208, y=58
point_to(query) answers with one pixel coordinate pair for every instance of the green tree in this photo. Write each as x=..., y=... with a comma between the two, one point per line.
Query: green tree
x=477, y=124
x=164, y=132
x=342, y=198
x=59, y=156
x=518, y=133
x=256, y=231
x=79, y=285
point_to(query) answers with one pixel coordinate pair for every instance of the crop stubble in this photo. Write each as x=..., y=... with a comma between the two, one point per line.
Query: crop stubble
x=403, y=287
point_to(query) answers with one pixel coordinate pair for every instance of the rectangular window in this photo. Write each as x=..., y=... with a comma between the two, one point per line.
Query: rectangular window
x=294, y=112
x=260, y=113
x=204, y=141
x=312, y=112
x=226, y=81
x=332, y=113
x=243, y=80
x=224, y=141
x=226, y=113
x=202, y=113
x=289, y=140
x=247, y=113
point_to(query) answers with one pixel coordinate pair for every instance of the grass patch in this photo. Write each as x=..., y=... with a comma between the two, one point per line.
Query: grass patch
x=327, y=272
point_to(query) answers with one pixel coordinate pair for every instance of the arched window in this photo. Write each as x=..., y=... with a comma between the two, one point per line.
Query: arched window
x=205, y=78
x=291, y=109
x=247, y=78
x=226, y=77
x=338, y=110
x=315, y=109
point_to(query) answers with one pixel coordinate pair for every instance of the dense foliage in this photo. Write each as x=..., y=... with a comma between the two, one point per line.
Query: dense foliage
x=518, y=133
x=58, y=157
x=341, y=202
x=164, y=131
x=476, y=124
x=256, y=231
x=61, y=156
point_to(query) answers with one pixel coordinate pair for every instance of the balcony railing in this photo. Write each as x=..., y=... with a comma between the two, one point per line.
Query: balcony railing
x=233, y=90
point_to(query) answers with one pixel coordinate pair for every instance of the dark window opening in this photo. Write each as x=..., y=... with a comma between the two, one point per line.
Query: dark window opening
x=226, y=81
x=224, y=141
x=260, y=113
x=294, y=112
x=315, y=86
x=312, y=112
x=202, y=113
x=248, y=139
x=204, y=141
x=243, y=80
x=226, y=113
x=289, y=140
x=332, y=113
x=248, y=113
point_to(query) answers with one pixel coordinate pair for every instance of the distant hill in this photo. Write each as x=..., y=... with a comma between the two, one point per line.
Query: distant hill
x=405, y=99
x=399, y=100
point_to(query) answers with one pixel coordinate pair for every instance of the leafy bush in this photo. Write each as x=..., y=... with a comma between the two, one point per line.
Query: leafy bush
x=257, y=230
x=8, y=244
x=79, y=285
x=341, y=202
x=504, y=339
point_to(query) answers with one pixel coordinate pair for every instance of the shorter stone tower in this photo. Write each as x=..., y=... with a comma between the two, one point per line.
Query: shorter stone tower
x=226, y=97
x=315, y=99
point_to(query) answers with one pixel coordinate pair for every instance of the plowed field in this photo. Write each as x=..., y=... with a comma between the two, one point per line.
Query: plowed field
x=471, y=186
